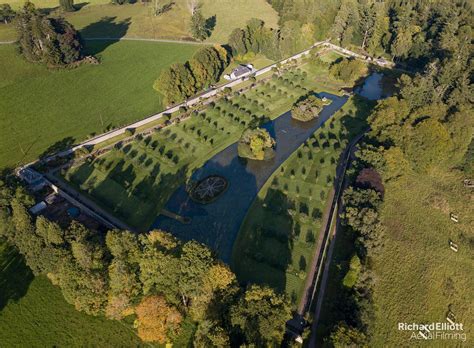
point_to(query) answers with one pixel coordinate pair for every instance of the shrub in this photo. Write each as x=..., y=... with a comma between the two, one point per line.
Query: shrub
x=129, y=132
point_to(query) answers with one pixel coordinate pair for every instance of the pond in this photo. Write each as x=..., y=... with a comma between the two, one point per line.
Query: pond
x=372, y=88
x=217, y=224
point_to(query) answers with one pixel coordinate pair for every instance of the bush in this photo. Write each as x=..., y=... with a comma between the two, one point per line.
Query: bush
x=129, y=132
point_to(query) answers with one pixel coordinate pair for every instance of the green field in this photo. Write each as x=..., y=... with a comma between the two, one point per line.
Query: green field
x=276, y=242
x=33, y=313
x=43, y=108
x=99, y=18
x=135, y=181
x=416, y=255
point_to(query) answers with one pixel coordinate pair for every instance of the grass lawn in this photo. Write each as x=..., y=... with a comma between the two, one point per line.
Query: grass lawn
x=33, y=313
x=135, y=181
x=99, y=18
x=41, y=107
x=277, y=239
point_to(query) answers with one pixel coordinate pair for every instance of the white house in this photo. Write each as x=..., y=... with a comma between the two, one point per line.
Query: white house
x=240, y=71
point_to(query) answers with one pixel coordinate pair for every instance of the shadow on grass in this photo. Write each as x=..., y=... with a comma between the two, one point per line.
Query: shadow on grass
x=58, y=146
x=264, y=253
x=15, y=276
x=107, y=31
x=80, y=5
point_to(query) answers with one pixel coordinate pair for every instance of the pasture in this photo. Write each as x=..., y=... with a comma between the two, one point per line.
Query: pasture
x=134, y=181
x=44, y=110
x=33, y=313
x=277, y=239
x=416, y=264
x=100, y=18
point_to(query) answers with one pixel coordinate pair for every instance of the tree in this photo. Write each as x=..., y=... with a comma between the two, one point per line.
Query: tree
x=156, y=320
x=261, y=315
x=207, y=65
x=429, y=144
x=348, y=70
x=345, y=336
x=176, y=83
x=6, y=13
x=210, y=334
x=345, y=23
x=51, y=41
x=67, y=5
x=195, y=261
x=380, y=34
x=238, y=42
x=367, y=21
x=256, y=144
x=85, y=289
x=199, y=28
x=352, y=274
x=307, y=108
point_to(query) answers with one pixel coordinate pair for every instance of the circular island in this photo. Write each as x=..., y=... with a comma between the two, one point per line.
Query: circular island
x=208, y=189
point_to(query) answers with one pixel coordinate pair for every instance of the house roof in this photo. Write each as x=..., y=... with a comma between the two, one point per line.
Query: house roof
x=241, y=70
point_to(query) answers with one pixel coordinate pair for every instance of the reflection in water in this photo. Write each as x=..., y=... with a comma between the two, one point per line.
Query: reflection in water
x=372, y=88
x=217, y=224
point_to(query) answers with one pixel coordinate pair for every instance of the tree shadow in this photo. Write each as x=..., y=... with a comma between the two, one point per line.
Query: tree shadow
x=80, y=5
x=105, y=32
x=58, y=146
x=210, y=24
x=263, y=250
x=15, y=276
x=165, y=8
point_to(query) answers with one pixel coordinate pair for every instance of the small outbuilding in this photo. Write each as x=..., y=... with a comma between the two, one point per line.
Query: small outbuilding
x=37, y=208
